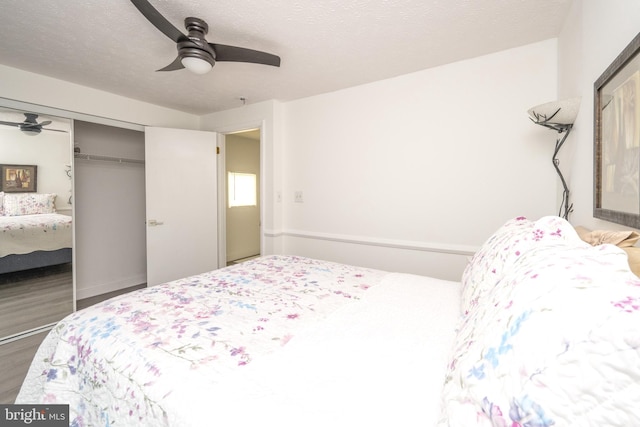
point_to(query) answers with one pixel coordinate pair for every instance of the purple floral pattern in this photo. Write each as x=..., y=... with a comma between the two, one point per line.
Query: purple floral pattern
x=551, y=335
x=502, y=251
x=119, y=362
x=28, y=203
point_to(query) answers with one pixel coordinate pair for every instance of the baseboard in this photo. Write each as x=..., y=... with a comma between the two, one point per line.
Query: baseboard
x=103, y=288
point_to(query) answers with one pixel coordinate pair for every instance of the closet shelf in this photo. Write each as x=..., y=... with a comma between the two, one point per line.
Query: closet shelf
x=83, y=156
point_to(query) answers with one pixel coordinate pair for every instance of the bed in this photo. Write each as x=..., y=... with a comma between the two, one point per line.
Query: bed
x=188, y=352
x=542, y=330
x=32, y=234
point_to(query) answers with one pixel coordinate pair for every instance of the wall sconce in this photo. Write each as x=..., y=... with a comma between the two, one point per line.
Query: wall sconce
x=559, y=116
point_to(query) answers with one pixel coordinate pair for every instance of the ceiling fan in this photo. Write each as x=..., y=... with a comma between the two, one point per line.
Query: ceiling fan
x=194, y=52
x=30, y=125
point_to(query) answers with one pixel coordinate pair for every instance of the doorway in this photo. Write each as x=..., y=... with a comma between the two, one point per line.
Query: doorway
x=242, y=195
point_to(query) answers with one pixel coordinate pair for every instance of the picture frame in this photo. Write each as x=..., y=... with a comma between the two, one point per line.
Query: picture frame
x=19, y=178
x=616, y=144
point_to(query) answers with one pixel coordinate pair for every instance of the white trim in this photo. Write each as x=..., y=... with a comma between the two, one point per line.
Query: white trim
x=222, y=203
x=116, y=285
x=374, y=241
x=272, y=233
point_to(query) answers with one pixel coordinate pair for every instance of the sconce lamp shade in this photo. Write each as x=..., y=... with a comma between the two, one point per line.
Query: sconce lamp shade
x=561, y=113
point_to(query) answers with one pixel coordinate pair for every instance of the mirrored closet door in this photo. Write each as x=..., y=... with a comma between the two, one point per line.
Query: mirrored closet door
x=36, y=221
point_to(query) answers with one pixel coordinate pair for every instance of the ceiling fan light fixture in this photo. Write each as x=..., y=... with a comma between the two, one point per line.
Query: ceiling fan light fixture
x=30, y=131
x=194, y=52
x=196, y=65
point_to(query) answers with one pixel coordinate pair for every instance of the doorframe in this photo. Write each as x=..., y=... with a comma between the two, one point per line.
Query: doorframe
x=222, y=189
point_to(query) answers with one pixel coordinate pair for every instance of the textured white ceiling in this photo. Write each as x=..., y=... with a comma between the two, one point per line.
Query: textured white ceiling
x=325, y=45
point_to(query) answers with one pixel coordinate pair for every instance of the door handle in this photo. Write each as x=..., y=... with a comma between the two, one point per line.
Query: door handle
x=154, y=223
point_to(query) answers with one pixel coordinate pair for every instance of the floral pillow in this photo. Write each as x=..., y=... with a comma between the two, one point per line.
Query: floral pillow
x=1, y=203
x=29, y=203
x=554, y=343
x=503, y=250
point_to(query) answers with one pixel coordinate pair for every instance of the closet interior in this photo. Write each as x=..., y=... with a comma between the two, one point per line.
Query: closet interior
x=110, y=208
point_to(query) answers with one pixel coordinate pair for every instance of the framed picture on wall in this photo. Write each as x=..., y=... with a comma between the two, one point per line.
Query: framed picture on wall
x=617, y=139
x=19, y=178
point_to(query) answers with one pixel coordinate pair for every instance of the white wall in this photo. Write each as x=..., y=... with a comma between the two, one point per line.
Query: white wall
x=409, y=174
x=414, y=173
x=593, y=36
x=50, y=152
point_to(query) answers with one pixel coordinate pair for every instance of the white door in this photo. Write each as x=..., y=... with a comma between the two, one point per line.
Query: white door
x=181, y=199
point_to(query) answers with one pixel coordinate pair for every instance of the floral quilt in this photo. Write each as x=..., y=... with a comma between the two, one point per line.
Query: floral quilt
x=24, y=234
x=136, y=359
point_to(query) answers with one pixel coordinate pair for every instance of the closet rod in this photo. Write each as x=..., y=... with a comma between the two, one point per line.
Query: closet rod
x=83, y=156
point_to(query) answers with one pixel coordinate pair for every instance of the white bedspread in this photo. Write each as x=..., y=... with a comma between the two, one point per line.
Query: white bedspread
x=379, y=361
x=24, y=234
x=362, y=346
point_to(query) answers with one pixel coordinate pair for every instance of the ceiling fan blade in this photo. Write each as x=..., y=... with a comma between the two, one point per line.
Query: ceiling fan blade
x=175, y=65
x=30, y=125
x=241, y=54
x=159, y=21
x=10, y=123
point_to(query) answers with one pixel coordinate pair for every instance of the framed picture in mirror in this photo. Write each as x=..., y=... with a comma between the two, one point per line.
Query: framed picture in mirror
x=19, y=178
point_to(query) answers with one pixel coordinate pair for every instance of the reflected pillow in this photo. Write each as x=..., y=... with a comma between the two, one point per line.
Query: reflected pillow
x=29, y=203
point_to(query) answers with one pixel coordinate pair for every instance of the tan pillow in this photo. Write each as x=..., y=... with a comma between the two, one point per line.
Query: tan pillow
x=623, y=239
x=634, y=259
x=582, y=232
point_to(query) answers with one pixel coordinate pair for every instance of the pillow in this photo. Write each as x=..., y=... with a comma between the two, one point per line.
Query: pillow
x=504, y=248
x=486, y=265
x=623, y=239
x=554, y=342
x=29, y=203
x=1, y=203
x=633, y=256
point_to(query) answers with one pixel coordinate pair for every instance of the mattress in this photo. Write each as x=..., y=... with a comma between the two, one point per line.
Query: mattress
x=24, y=234
x=279, y=339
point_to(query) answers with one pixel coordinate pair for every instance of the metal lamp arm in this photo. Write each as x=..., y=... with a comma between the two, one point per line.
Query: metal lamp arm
x=565, y=207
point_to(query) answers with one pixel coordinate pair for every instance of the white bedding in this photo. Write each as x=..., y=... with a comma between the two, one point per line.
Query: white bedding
x=23, y=234
x=379, y=361
x=279, y=340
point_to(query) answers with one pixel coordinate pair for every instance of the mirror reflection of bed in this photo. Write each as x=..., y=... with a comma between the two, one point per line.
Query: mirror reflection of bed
x=36, y=238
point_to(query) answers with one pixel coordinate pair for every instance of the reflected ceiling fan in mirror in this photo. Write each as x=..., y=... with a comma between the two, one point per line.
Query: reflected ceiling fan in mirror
x=194, y=52
x=30, y=125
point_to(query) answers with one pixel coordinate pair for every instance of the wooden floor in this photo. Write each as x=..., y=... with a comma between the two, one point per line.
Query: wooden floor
x=32, y=298
x=16, y=356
